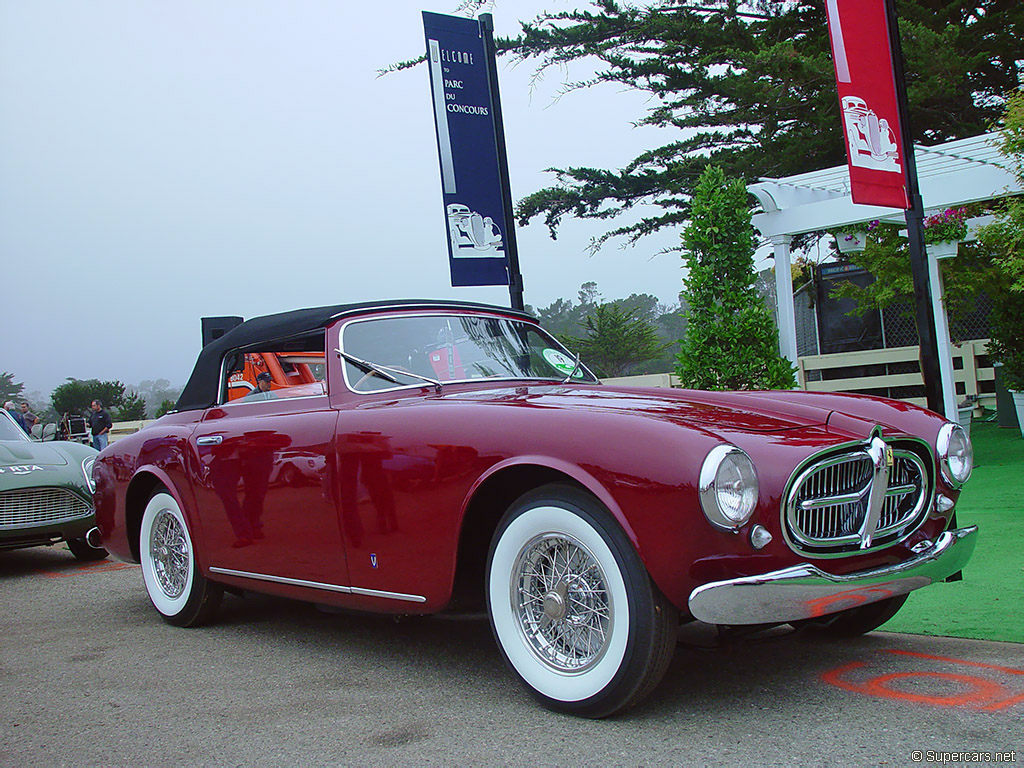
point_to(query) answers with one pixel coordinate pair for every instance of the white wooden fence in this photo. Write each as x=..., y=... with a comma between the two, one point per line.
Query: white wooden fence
x=972, y=372
x=970, y=369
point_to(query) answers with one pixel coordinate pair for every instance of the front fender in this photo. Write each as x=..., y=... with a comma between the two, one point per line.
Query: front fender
x=577, y=473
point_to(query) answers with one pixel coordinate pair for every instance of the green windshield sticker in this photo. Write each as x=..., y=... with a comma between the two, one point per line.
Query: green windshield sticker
x=561, y=362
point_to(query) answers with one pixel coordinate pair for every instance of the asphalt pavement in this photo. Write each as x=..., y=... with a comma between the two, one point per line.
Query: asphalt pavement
x=91, y=676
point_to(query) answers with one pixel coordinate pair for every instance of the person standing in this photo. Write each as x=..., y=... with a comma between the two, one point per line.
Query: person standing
x=30, y=418
x=11, y=408
x=99, y=424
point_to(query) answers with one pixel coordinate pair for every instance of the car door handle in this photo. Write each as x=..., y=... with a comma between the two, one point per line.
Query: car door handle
x=210, y=440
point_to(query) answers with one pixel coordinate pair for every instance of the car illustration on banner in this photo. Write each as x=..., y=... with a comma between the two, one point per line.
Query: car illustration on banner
x=472, y=234
x=872, y=142
x=46, y=493
x=456, y=458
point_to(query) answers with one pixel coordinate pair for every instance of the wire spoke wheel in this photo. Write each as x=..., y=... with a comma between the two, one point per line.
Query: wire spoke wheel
x=181, y=594
x=563, y=603
x=572, y=608
x=171, y=554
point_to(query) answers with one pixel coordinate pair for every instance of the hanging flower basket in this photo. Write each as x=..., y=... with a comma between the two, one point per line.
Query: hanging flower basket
x=949, y=226
x=943, y=250
x=851, y=242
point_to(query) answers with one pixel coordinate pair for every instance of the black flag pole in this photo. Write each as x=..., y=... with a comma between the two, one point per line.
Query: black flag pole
x=515, y=277
x=925, y=315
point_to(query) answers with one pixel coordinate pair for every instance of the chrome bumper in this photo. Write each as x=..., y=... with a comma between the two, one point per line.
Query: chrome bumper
x=805, y=592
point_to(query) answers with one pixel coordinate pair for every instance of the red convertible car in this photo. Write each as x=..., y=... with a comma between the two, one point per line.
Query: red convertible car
x=455, y=457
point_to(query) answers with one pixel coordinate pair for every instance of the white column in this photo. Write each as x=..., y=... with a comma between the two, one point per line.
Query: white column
x=784, y=297
x=942, y=336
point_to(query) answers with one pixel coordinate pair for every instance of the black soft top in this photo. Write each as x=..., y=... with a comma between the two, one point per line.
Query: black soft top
x=201, y=391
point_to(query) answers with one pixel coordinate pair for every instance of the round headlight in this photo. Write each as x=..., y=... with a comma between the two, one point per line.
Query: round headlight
x=87, y=466
x=956, y=456
x=728, y=487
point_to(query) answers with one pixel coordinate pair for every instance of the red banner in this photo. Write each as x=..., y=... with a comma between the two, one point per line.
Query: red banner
x=870, y=110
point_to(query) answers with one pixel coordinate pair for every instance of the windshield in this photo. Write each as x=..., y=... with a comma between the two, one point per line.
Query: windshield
x=9, y=429
x=448, y=348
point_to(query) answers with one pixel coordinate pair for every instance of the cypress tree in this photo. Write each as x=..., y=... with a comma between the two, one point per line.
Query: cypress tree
x=731, y=339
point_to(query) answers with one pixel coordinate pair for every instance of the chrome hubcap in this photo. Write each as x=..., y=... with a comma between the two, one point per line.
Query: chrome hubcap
x=554, y=603
x=562, y=603
x=169, y=551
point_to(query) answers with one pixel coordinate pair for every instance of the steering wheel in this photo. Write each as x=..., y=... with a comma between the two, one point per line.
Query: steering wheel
x=371, y=374
x=363, y=378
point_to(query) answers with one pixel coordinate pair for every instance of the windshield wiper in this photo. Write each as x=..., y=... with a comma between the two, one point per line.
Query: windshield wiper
x=385, y=371
x=575, y=368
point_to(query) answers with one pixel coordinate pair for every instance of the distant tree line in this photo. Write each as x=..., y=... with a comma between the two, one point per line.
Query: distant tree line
x=621, y=337
x=147, y=400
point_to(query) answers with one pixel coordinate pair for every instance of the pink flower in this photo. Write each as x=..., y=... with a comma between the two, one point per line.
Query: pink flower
x=948, y=226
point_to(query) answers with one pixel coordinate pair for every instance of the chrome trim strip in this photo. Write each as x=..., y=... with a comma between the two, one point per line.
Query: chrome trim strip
x=320, y=585
x=805, y=591
x=881, y=459
x=389, y=595
x=434, y=306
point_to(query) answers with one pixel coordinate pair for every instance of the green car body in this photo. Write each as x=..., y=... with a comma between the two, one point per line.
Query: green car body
x=45, y=493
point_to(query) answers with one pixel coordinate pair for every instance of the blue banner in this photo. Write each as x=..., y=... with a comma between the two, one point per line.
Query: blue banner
x=466, y=138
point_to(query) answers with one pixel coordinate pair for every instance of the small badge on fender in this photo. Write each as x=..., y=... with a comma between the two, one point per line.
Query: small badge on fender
x=888, y=456
x=373, y=559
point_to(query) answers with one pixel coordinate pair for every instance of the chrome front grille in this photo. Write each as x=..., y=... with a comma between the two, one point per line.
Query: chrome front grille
x=857, y=500
x=40, y=506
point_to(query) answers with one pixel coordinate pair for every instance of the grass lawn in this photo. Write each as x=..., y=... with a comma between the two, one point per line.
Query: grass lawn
x=989, y=603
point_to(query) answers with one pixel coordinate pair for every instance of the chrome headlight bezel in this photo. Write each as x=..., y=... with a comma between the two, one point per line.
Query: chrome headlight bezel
x=953, y=445
x=711, y=487
x=87, y=465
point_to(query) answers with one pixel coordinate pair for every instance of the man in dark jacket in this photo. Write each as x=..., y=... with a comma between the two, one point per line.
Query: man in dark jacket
x=11, y=409
x=99, y=424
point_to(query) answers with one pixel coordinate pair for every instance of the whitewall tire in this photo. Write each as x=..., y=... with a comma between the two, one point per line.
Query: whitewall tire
x=180, y=594
x=572, y=607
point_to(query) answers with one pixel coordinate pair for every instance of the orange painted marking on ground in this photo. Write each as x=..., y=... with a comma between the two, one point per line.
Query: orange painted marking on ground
x=1005, y=704
x=981, y=693
x=984, y=690
x=87, y=568
x=834, y=676
x=965, y=662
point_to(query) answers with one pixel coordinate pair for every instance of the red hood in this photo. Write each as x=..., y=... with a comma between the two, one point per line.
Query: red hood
x=732, y=411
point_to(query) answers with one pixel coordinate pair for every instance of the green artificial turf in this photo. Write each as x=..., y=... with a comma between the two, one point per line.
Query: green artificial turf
x=989, y=603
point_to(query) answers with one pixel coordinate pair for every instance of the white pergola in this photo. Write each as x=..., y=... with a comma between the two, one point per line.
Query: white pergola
x=949, y=175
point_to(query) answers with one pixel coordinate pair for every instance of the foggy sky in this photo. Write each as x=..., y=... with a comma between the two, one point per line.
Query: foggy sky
x=164, y=161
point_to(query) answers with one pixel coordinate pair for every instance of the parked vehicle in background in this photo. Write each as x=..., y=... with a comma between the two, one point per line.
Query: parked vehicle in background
x=46, y=493
x=456, y=457
x=74, y=428
x=284, y=369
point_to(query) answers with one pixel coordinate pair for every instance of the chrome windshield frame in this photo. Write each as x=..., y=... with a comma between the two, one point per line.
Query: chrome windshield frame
x=554, y=379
